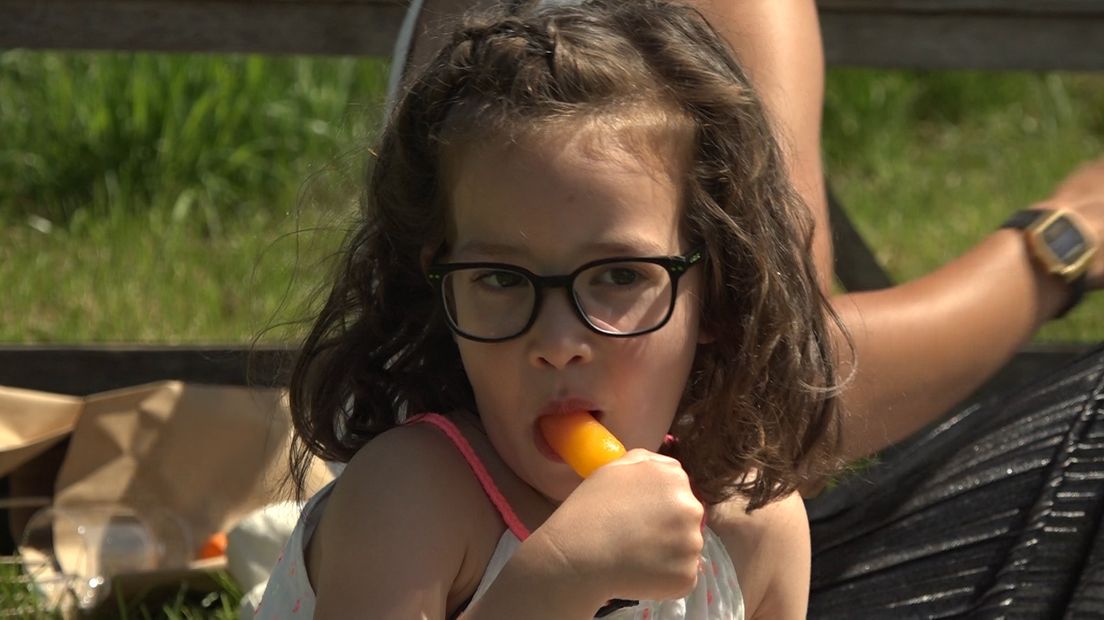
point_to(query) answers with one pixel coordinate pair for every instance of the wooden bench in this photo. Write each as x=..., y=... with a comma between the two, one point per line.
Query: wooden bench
x=928, y=34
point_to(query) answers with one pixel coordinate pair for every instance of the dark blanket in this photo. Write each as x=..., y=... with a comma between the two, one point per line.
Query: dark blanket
x=994, y=512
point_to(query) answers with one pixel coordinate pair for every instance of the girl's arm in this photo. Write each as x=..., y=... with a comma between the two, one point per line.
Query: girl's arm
x=537, y=584
x=923, y=346
x=631, y=530
x=770, y=550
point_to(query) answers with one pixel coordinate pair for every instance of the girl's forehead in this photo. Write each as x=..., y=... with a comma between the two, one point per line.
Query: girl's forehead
x=650, y=133
x=555, y=194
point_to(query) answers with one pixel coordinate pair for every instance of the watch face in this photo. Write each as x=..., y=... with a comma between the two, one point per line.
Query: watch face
x=1060, y=245
x=1064, y=240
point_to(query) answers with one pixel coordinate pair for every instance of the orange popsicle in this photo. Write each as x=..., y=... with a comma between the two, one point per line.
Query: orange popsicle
x=581, y=441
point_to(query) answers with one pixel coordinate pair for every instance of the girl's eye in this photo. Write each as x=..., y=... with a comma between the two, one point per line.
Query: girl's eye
x=620, y=276
x=498, y=279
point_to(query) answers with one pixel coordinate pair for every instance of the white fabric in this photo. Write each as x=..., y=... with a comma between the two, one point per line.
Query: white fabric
x=289, y=590
x=255, y=542
x=716, y=597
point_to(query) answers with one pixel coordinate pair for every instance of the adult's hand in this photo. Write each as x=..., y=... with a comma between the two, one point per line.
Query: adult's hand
x=1082, y=192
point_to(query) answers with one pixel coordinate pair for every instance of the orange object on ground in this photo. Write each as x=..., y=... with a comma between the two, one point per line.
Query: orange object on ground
x=214, y=546
x=581, y=441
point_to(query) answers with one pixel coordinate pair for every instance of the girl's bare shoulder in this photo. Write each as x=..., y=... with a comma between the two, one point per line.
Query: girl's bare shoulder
x=402, y=527
x=770, y=550
x=730, y=519
x=409, y=466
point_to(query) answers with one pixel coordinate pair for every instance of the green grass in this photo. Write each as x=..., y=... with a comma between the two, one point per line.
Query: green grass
x=16, y=597
x=19, y=599
x=162, y=198
x=203, y=137
x=181, y=604
x=147, y=278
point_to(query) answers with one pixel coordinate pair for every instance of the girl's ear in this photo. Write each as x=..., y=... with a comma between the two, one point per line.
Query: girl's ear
x=705, y=336
x=705, y=333
x=427, y=255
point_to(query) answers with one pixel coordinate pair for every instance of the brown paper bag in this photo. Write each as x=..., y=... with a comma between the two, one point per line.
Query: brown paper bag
x=208, y=455
x=31, y=423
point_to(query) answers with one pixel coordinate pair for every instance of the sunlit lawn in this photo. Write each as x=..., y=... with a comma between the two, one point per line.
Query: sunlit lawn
x=161, y=198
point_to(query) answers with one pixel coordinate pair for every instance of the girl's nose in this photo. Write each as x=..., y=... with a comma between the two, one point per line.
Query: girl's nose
x=559, y=338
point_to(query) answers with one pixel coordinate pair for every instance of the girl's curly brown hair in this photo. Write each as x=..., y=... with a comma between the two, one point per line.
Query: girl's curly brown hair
x=760, y=411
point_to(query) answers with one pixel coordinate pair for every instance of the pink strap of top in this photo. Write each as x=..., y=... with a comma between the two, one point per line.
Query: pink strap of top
x=450, y=430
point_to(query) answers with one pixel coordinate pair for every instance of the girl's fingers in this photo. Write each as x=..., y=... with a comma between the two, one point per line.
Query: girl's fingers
x=640, y=455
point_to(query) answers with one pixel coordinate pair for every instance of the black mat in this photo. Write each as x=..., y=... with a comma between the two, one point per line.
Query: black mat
x=994, y=512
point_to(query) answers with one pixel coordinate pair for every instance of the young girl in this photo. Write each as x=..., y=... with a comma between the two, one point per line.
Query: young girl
x=574, y=207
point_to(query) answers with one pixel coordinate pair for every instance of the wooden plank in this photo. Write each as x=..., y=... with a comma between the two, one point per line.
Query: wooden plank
x=996, y=7
x=83, y=370
x=933, y=34
x=964, y=41
x=854, y=263
x=362, y=28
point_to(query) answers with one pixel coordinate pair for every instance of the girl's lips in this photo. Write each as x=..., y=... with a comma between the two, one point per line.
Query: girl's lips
x=559, y=408
x=568, y=405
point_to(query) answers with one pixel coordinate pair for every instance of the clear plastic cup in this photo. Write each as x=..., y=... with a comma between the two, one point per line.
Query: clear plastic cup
x=70, y=552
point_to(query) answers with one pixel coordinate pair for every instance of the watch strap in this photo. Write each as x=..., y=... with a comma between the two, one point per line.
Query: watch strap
x=1077, y=293
x=1023, y=218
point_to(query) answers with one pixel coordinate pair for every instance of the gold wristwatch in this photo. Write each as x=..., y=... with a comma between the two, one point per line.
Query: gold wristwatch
x=1058, y=241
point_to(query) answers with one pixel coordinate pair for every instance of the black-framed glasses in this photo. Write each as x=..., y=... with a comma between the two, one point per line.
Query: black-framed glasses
x=620, y=297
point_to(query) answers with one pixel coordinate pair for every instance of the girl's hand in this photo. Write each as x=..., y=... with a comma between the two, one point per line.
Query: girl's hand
x=633, y=530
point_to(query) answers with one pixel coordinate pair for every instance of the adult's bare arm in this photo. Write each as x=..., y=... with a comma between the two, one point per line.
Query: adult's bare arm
x=925, y=345
x=778, y=44
x=922, y=346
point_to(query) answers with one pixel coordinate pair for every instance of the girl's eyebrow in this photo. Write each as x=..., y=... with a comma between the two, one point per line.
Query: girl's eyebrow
x=632, y=247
